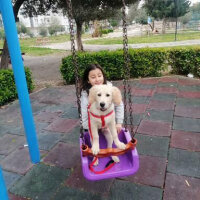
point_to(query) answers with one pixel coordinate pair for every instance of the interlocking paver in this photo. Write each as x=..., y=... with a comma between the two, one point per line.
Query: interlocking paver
x=151, y=171
x=152, y=146
x=181, y=187
x=164, y=97
x=156, y=128
x=10, y=178
x=138, y=108
x=163, y=115
x=184, y=162
x=62, y=125
x=124, y=190
x=164, y=85
x=76, y=180
x=48, y=139
x=47, y=116
x=136, y=118
x=149, y=81
x=188, y=102
x=170, y=79
x=9, y=143
x=63, y=155
x=67, y=193
x=169, y=156
x=143, y=92
x=73, y=136
x=186, y=81
x=185, y=140
x=14, y=197
x=186, y=124
x=71, y=113
x=141, y=100
x=146, y=86
x=190, y=112
x=161, y=105
x=166, y=90
x=18, y=161
x=193, y=88
x=189, y=94
x=41, y=182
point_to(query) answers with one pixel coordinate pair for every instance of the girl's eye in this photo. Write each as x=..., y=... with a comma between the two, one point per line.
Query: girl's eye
x=107, y=95
x=99, y=95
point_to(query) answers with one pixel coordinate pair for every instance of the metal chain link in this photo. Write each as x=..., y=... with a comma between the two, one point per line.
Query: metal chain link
x=127, y=74
x=74, y=60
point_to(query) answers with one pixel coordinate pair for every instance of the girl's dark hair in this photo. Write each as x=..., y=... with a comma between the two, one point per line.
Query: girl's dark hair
x=84, y=84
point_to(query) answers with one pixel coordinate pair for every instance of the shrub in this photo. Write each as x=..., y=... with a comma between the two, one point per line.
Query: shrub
x=43, y=32
x=185, y=60
x=106, y=31
x=8, y=90
x=143, y=63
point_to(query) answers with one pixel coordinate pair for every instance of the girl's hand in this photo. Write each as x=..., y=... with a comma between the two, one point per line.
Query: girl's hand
x=119, y=128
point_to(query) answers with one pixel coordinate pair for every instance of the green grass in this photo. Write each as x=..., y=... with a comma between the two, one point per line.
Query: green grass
x=27, y=45
x=169, y=37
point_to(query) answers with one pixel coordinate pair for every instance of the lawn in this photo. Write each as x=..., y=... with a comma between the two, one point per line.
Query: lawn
x=169, y=37
x=32, y=46
x=28, y=44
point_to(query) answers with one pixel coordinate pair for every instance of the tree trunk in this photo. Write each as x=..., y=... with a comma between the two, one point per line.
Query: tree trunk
x=5, y=53
x=5, y=56
x=164, y=26
x=78, y=35
x=176, y=29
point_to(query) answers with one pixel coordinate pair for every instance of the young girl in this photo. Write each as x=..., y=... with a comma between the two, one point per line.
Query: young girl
x=94, y=75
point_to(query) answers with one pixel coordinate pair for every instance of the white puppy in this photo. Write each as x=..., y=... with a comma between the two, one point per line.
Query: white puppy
x=101, y=115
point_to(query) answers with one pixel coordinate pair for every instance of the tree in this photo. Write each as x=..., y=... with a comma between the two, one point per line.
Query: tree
x=165, y=9
x=90, y=10
x=133, y=12
x=5, y=52
x=181, y=7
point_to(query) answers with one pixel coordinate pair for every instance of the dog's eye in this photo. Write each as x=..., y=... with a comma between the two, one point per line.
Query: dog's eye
x=107, y=95
x=99, y=94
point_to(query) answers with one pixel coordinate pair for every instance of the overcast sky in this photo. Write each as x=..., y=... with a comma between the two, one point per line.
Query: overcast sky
x=192, y=1
x=195, y=1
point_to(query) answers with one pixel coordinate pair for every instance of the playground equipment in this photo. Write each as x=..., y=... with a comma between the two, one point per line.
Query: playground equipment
x=6, y=10
x=129, y=163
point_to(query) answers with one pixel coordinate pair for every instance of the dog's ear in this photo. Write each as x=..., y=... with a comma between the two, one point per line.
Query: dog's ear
x=92, y=95
x=117, y=97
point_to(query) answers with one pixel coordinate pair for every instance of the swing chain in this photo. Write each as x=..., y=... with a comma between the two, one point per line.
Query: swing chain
x=74, y=60
x=126, y=74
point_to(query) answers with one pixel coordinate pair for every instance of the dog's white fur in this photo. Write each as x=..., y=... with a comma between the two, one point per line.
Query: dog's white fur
x=107, y=95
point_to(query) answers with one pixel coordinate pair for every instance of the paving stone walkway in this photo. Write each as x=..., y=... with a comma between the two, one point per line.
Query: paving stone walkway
x=90, y=47
x=167, y=123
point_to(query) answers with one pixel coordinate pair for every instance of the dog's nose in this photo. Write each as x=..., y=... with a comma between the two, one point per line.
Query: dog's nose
x=102, y=104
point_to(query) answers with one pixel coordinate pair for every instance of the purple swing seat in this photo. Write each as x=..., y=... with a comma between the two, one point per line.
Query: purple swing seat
x=128, y=165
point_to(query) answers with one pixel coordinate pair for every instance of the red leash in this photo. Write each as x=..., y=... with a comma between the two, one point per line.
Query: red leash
x=111, y=163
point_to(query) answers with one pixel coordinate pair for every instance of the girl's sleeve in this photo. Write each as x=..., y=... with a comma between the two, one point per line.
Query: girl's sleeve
x=119, y=113
x=84, y=105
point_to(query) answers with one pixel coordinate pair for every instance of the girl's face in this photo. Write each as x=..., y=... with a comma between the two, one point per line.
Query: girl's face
x=95, y=77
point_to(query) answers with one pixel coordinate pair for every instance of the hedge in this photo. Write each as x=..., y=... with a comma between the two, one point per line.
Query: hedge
x=143, y=62
x=185, y=61
x=8, y=91
x=147, y=62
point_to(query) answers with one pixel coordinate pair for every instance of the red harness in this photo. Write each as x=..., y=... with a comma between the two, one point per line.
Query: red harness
x=102, y=117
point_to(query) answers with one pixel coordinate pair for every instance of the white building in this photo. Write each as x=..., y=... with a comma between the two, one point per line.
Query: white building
x=35, y=23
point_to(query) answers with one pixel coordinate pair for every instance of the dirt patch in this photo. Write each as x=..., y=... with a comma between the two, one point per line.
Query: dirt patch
x=45, y=69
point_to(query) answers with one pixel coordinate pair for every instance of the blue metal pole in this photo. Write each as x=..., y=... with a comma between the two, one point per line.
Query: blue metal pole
x=3, y=192
x=20, y=79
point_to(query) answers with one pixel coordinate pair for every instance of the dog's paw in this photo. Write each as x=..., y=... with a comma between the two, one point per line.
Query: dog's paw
x=121, y=145
x=115, y=159
x=96, y=162
x=95, y=150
